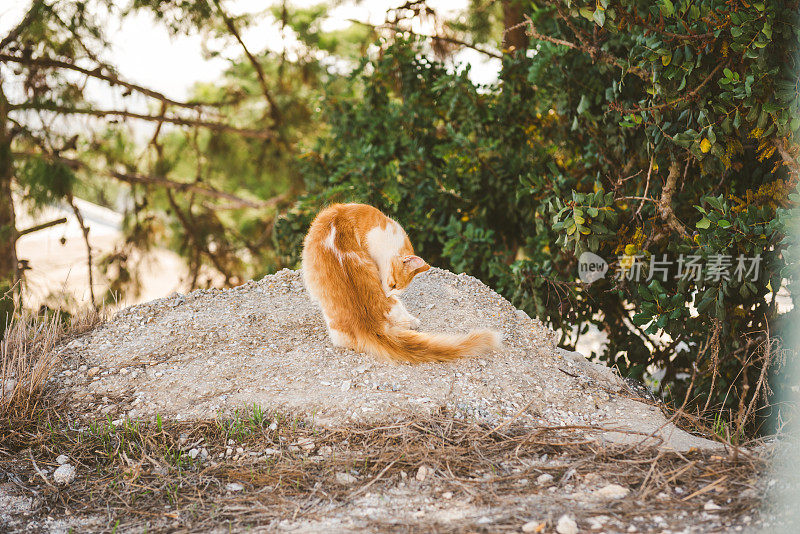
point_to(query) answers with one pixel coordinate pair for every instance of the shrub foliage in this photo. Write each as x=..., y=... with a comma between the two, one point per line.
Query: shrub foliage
x=643, y=132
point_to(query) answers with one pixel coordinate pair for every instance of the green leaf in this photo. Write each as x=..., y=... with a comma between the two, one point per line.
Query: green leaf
x=703, y=223
x=599, y=16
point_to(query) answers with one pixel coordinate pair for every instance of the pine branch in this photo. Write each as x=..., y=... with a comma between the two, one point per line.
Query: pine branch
x=100, y=75
x=141, y=179
x=24, y=23
x=181, y=121
x=262, y=79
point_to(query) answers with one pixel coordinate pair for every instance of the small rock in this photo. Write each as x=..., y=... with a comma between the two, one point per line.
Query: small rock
x=711, y=506
x=596, y=523
x=193, y=453
x=612, y=491
x=544, y=478
x=93, y=371
x=533, y=526
x=344, y=478
x=306, y=443
x=422, y=472
x=566, y=525
x=271, y=452
x=447, y=495
x=62, y=459
x=234, y=486
x=345, y=385
x=64, y=474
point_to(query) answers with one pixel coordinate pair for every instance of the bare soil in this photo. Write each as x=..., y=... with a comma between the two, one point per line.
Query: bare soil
x=231, y=411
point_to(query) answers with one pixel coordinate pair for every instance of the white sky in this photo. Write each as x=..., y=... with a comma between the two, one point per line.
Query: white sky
x=146, y=54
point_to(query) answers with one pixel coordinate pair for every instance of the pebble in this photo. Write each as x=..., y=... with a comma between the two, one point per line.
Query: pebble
x=62, y=459
x=65, y=474
x=193, y=453
x=93, y=371
x=447, y=495
x=566, y=525
x=234, y=486
x=533, y=526
x=345, y=479
x=612, y=491
x=422, y=472
x=544, y=478
x=711, y=506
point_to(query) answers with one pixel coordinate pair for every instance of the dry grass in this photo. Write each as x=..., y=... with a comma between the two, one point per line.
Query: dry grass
x=140, y=472
x=27, y=359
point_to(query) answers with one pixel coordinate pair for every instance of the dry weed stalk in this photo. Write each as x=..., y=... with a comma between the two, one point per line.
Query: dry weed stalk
x=27, y=358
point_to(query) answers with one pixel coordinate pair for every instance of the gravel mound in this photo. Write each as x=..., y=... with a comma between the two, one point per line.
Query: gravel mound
x=264, y=343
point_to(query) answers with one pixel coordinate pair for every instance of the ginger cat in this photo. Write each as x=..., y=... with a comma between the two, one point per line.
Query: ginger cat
x=356, y=261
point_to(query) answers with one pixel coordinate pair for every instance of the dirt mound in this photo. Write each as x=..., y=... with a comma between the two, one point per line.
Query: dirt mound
x=264, y=343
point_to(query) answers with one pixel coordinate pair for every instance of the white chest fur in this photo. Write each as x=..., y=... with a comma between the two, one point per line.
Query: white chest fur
x=383, y=244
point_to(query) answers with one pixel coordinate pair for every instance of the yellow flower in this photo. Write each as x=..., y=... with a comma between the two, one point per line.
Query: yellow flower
x=705, y=146
x=630, y=249
x=626, y=261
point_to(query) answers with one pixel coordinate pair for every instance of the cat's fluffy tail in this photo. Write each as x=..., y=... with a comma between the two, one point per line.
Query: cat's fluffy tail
x=420, y=347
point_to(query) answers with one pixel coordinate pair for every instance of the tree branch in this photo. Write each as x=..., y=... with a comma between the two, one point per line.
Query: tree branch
x=100, y=75
x=262, y=79
x=452, y=40
x=85, y=230
x=788, y=158
x=665, y=202
x=161, y=181
x=42, y=226
x=24, y=23
x=593, y=51
x=181, y=121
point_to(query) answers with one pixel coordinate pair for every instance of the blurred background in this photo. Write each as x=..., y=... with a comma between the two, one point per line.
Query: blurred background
x=154, y=146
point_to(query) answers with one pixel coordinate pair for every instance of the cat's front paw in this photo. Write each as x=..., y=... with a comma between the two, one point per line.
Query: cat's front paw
x=414, y=323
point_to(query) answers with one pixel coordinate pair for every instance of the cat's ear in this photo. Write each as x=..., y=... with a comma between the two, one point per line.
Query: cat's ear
x=415, y=264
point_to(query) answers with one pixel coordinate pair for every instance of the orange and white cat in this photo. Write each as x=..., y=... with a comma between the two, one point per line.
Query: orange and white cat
x=356, y=261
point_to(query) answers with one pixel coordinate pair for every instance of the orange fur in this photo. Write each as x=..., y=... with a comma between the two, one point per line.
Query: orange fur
x=356, y=261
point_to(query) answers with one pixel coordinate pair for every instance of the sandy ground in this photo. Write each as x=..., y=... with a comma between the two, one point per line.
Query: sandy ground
x=57, y=258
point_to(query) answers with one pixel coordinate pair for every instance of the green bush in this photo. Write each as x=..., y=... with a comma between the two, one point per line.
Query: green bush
x=633, y=130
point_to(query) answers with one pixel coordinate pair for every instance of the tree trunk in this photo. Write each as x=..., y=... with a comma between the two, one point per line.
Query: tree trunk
x=8, y=229
x=514, y=36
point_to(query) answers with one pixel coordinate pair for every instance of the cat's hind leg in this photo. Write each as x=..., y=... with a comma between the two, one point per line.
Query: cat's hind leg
x=399, y=316
x=338, y=338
